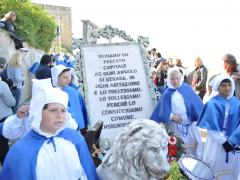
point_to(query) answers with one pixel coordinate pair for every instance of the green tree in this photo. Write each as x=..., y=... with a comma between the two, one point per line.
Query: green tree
x=33, y=23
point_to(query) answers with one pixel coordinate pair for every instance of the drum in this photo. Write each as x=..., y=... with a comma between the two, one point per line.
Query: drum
x=195, y=169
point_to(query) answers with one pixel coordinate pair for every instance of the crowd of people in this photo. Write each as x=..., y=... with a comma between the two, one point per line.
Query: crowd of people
x=50, y=130
x=50, y=133
x=182, y=109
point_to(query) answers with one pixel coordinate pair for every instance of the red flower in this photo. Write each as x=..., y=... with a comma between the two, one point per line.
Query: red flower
x=172, y=140
x=172, y=150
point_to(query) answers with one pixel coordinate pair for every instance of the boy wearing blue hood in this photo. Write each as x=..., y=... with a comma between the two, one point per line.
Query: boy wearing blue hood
x=221, y=117
x=49, y=150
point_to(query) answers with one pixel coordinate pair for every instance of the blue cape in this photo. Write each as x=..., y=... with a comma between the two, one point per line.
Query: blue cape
x=212, y=117
x=234, y=138
x=1, y=129
x=74, y=86
x=20, y=162
x=77, y=107
x=34, y=67
x=192, y=102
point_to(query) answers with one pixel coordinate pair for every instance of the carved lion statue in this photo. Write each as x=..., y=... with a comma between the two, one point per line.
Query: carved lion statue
x=138, y=152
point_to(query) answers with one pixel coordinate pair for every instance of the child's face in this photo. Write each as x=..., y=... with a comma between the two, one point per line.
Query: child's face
x=53, y=118
x=64, y=79
x=225, y=88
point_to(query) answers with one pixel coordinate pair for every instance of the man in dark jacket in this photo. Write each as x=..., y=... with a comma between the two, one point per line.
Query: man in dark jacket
x=44, y=70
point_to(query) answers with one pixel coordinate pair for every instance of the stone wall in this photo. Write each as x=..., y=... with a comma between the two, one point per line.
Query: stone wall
x=7, y=48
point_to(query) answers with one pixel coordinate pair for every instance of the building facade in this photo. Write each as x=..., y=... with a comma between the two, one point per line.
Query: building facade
x=63, y=16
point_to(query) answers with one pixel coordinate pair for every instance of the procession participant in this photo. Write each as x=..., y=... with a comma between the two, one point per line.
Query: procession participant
x=61, y=77
x=18, y=125
x=220, y=116
x=179, y=107
x=49, y=150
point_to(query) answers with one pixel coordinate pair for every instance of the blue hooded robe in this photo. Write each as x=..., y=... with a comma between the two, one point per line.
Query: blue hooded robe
x=77, y=107
x=220, y=116
x=212, y=117
x=192, y=102
x=20, y=162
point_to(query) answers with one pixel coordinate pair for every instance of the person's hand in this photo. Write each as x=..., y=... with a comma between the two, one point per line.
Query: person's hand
x=96, y=151
x=227, y=146
x=23, y=111
x=177, y=118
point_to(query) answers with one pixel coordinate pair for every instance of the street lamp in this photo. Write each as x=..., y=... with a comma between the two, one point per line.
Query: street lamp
x=59, y=30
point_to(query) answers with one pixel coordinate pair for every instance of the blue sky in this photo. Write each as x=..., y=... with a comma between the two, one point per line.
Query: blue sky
x=179, y=29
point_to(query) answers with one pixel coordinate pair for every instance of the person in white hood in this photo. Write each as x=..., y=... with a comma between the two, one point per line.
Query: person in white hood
x=19, y=124
x=220, y=117
x=61, y=77
x=49, y=150
x=179, y=108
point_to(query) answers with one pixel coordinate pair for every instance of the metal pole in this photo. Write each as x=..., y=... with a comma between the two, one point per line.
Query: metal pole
x=59, y=31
